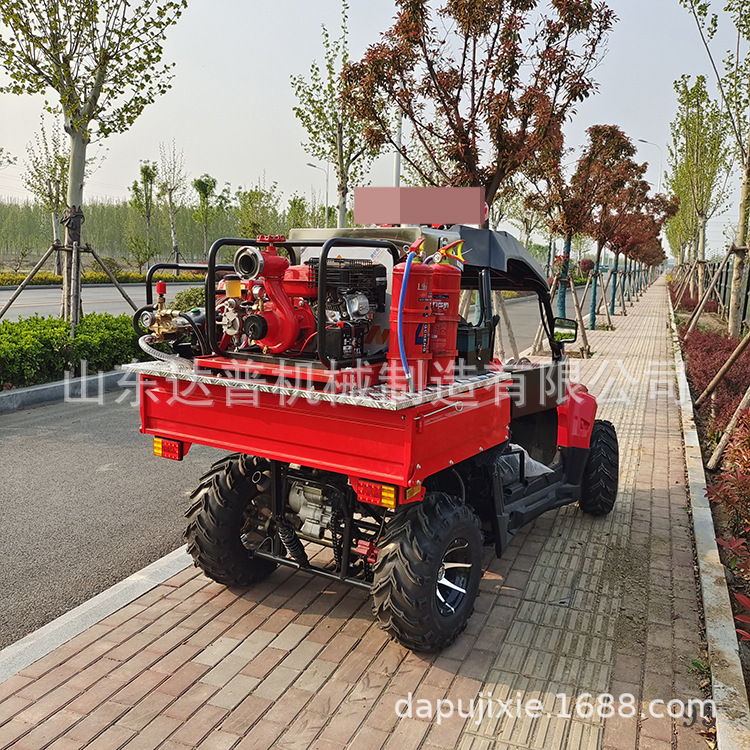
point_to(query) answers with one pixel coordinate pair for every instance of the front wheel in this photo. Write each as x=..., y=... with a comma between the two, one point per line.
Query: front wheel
x=428, y=571
x=227, y=520
x=600, y=476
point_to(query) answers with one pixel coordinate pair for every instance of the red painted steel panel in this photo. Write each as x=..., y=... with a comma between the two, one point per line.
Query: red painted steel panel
x=575, y=417
x=376, y=444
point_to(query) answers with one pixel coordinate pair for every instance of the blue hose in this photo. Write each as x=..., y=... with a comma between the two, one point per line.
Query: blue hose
x=400, y=328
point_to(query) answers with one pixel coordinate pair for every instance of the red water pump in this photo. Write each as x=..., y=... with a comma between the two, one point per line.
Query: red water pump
x=278, y=322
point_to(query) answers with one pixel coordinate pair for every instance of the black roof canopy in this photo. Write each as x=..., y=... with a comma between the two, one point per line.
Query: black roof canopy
x=511, y=266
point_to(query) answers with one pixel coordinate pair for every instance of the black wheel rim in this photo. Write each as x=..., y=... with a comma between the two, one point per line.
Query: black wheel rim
x=453, y=577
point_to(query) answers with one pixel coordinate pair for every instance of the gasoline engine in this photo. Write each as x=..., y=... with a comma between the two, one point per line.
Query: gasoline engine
x=271, y=307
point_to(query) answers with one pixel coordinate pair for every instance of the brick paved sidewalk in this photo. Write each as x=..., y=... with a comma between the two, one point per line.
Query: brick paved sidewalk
x=576, y=605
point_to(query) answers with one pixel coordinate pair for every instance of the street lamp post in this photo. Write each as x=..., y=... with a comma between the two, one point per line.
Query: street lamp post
x=661, y=160
x=315, y=166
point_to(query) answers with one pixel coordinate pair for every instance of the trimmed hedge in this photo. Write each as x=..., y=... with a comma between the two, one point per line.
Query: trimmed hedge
x=97, y=277
x=38, y=350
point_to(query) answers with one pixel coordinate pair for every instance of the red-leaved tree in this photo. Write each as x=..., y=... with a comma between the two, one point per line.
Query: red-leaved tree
x=482, y=85
x=582, y=202
x=638, y=235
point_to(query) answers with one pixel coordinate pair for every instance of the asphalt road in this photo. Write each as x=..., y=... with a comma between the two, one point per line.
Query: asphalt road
x=95, y=299
x=523, y=313
x=524, y=320
x=85, y=503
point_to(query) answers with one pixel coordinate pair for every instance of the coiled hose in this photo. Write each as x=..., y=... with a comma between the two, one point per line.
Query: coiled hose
x=400, y=324
x=145, y=343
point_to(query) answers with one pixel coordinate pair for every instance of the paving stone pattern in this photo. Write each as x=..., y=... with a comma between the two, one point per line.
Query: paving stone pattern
x=576, y=605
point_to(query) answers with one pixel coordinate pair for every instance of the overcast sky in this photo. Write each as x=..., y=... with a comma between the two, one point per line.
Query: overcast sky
x=230, y=107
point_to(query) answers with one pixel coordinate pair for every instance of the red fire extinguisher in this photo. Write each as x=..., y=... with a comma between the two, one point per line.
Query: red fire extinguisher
x=413, y=309
x=446, y=291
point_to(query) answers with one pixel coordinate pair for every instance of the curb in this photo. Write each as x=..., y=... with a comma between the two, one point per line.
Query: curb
x=61, y=390
x=727, y=682
x=34, y=646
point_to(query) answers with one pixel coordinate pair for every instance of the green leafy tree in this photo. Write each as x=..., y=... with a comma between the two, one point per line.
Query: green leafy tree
x=171, y=184
x=483, y=86
x=103, y=60
x=6, y=159
x=140, y=252
x=682, y=229
x=522, y=211
x=733, y=85
x=210, y=204
x=699, y=156
x=297, y=212
x=335, y=132
x=142, y=198
x=46, y=173
x=258, y=211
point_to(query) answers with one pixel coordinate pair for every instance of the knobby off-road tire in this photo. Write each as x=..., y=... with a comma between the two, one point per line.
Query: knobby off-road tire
x=600, y=476
x=228, y=508
x=428, y=571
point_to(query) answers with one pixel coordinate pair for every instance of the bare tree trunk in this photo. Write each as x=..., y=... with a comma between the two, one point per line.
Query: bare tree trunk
x=173, y=230
x=738, y=271
x=343, y=178
x=705, y=295
x=585, y=350
x=56, y=241
x=694, y=279
x=701, y=255
x=76, y=176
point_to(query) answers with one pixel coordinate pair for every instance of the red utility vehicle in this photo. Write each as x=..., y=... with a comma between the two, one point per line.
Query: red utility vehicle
x=373, y=439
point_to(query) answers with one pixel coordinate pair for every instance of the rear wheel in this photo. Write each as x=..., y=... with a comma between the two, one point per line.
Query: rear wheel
x=599, y=486
x=227, y=520
x=428, y=571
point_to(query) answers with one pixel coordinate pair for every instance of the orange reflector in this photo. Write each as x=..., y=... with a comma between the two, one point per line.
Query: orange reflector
x=168, y=448
x=413, y=491
x=376, y=493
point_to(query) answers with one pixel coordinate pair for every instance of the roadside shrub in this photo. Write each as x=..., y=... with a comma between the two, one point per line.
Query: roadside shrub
x=586, y=265
x=104, y=340
x=112, y=264
x=187, y=299
x=705, y=353
x=731, y=486
x=38, y=350
x=33, y=350
x=688, y=303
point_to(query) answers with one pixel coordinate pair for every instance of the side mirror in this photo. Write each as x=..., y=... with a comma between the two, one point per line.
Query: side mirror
x=565, y=329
